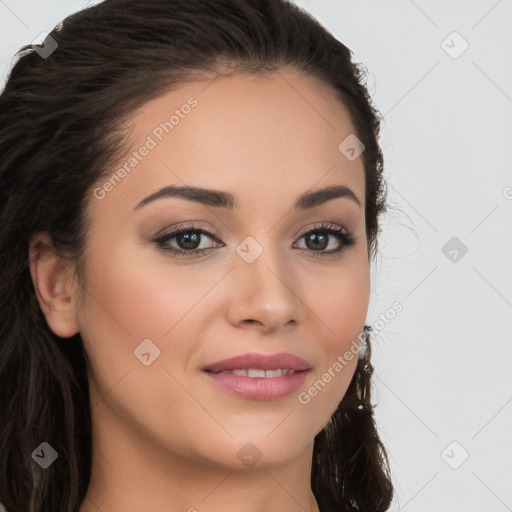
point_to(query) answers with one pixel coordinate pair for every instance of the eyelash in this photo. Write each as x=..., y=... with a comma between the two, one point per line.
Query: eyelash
x=347, y=238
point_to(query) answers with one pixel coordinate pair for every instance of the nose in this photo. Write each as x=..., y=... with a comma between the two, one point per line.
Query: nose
x=265, y=293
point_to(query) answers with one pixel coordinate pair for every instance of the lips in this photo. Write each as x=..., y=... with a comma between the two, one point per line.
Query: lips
x=258, y=376
x=252, y=362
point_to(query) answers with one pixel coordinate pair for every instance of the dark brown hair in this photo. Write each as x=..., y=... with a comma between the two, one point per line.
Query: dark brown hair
x=60, y=132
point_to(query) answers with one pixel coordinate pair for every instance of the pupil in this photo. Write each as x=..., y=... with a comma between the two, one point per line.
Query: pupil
x=189, y=238
x=319, y=241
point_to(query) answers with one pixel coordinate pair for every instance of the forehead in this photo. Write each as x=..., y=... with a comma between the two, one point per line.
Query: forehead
x=252, y=135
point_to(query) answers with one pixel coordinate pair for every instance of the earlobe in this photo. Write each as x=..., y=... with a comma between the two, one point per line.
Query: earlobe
x=53, y=284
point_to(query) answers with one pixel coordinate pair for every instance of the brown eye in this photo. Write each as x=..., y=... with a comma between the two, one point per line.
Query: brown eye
x=187, y=241
x=318, y=240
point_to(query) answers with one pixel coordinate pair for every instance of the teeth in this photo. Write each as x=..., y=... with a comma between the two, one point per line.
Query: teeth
x=275, y=373
x=235, y=372
x=256, y=372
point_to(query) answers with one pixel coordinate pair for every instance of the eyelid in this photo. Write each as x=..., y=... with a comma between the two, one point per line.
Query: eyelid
x=319, y=226
x=191, y=225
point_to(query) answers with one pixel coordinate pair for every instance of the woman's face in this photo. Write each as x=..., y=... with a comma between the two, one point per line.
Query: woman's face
x=267, y=280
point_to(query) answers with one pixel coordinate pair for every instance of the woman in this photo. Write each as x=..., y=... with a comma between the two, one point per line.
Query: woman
x=190, y=195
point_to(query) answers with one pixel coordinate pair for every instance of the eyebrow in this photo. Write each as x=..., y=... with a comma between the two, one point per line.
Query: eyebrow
x=222, y=199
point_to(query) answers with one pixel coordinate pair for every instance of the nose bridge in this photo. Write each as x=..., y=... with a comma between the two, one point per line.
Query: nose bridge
x=264, y=283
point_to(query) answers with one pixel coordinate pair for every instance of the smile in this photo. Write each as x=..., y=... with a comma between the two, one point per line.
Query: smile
x=256, y=372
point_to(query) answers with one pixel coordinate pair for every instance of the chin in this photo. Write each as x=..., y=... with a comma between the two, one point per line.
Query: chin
x=259, y=448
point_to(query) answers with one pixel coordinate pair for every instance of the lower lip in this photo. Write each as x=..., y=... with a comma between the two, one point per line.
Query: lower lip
x=259, y=388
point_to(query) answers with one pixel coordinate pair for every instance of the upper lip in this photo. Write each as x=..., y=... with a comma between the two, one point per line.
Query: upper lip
x=259, y=361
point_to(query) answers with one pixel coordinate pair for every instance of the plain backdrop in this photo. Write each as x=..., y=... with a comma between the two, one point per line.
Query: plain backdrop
x=440, y=73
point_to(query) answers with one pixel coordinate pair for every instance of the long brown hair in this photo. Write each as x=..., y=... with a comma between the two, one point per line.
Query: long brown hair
x=59, y=132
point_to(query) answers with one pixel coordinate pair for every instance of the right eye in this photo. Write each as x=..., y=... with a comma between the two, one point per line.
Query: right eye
x=188, y=239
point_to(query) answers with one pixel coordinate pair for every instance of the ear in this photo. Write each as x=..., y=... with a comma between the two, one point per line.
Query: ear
x=53, y=282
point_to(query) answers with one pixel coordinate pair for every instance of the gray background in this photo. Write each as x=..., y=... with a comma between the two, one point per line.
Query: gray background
x=443, y=380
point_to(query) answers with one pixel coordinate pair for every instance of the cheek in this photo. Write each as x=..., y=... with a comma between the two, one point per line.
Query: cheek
x=130, y=298
x=134, y=295
x=342, y=306
x=137, y=293
x=341, y=299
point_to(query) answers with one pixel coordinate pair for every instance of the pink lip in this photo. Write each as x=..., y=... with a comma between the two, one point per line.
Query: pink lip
x=260, y=361
x=259, y=388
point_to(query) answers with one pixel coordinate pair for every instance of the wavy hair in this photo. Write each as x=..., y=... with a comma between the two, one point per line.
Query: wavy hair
x=60, y=122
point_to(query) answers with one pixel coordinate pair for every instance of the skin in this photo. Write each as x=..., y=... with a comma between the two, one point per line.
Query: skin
x=164, y=437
